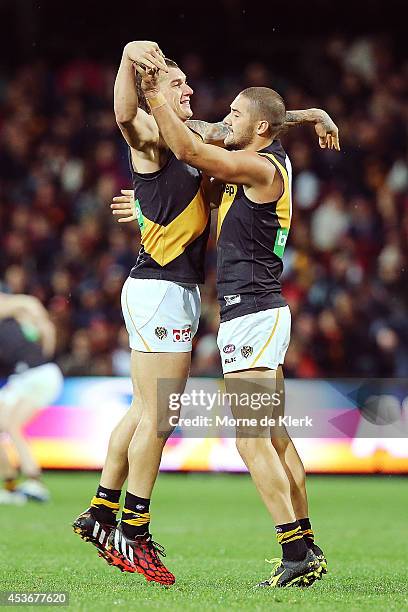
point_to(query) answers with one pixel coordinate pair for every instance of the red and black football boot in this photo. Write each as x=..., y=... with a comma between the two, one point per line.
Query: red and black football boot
x=140, y=555
x=91, y=530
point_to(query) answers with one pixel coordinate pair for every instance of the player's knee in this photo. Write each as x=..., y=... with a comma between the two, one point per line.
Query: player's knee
x=280, y=444
x=116, y=443
x=146, y=436
x=244, y=446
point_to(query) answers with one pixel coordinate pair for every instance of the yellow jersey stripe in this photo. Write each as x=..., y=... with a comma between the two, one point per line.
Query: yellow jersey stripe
x=226, y=203
x=165, y=243
x=283, y=204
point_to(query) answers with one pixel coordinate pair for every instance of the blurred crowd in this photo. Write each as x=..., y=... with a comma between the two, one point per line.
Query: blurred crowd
x=62, y=159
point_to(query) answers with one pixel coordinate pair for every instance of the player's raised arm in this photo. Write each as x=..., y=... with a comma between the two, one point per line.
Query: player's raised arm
x=324, y=125
x=136, y=125
x=241, y=167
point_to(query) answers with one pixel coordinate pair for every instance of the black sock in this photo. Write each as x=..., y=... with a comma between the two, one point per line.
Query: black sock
x=290, y=536
x=135, y=516
x=307, y=531
x=105, y=505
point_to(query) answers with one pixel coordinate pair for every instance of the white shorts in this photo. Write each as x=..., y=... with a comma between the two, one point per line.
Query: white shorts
x=160, y=316
x=256, y=340
x=39, y=386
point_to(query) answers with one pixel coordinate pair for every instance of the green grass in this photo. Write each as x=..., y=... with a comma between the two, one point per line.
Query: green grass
x=217, y=535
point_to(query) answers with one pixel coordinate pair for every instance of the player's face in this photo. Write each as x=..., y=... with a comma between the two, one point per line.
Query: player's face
x=177, y=92
x=241, y=127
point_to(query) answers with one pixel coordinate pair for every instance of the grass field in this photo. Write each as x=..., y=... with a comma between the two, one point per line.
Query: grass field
x=217, y=535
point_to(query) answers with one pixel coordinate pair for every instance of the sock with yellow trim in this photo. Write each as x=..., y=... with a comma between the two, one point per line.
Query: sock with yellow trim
x=105, y=505
x=290, y=537
x=135, y=516
x=307, y=531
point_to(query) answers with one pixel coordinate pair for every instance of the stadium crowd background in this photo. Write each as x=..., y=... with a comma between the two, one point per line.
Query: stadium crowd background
x=62, y=159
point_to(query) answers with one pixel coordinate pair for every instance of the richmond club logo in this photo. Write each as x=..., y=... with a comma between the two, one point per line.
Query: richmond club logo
x=229, y=348
x=161, y=332
x=247, y=351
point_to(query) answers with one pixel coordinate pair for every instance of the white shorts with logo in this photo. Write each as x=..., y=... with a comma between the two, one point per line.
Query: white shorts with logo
x=38, y=386
x=160, y=316
x=256, y=340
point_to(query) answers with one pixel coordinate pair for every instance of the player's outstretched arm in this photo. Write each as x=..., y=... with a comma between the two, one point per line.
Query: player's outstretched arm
x=324, y=125
x=326, y=129
x=137, y=126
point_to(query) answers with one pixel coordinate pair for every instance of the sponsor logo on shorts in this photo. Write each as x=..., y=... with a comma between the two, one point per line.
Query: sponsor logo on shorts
x=232, y=299
x=229, y=348
x=161, y=333
x=247, y=351
x=182, y=335
x=230, y=360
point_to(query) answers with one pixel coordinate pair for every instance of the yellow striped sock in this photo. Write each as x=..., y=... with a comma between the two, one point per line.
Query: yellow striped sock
x=137, y=519
x=308, y=533
x=100, y=503
x=289, y=536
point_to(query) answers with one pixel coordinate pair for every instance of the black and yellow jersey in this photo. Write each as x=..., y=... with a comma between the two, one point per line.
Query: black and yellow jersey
x=174, y=221
x=250, y=245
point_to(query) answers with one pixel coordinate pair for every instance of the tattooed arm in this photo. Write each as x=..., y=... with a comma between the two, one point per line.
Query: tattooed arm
x=211, y=133
x=326, y=129
x=324, y=125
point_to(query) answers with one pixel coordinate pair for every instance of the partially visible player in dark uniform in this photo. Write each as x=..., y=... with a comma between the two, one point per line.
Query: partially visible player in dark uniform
x=27, y=344
x=253, y=223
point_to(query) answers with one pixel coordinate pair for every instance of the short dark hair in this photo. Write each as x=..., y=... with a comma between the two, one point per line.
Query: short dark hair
x=142, y=103
x=266, y=105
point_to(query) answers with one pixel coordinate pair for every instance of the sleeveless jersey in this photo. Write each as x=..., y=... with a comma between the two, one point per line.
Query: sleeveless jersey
x=174, y=221
x=251, y=242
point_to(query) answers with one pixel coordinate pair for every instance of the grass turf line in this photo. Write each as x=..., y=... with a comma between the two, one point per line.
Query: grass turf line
x=217, y=534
